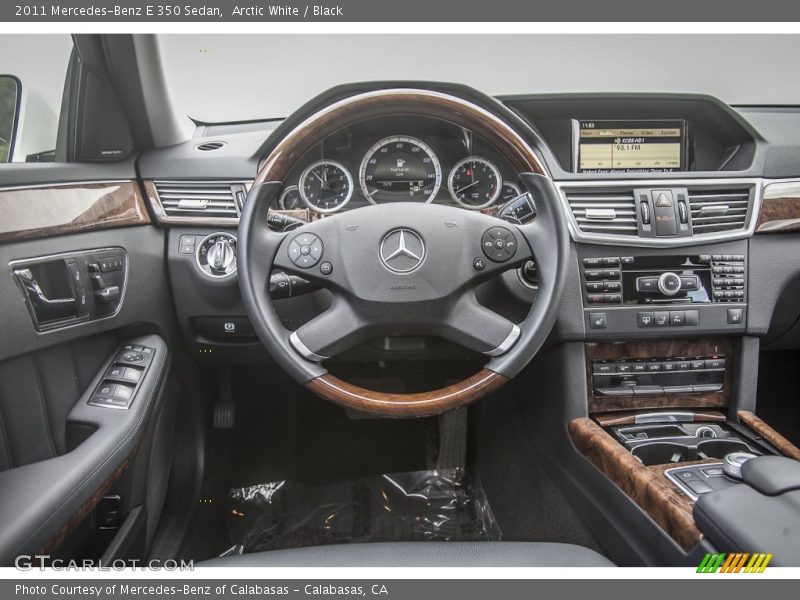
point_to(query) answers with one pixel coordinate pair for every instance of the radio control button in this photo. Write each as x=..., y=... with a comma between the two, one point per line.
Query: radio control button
x=592, y=262
x=611, y=274
x=612, y=286
x=593, y=274
x=669, y=283
x=611, y=261
x=647, y=284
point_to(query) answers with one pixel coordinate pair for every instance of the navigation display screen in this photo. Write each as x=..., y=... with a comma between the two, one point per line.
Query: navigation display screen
x=629, y=146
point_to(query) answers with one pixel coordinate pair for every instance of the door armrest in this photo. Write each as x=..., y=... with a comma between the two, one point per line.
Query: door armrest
x=43, y=501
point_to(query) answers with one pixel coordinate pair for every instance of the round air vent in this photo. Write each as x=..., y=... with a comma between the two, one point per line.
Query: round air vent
x=209, y=146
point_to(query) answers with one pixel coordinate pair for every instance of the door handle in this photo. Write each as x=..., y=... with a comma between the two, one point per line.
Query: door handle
x=45, y=309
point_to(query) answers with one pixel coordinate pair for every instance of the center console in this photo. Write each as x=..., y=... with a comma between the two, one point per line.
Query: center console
x=639, y=293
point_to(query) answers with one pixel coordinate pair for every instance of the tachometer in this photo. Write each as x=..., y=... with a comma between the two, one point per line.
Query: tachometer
x=474, y=182
x=398, y=169
x=326, y=186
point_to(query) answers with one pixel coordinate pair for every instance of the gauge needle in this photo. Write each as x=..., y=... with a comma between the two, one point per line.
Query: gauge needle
x=466, y=187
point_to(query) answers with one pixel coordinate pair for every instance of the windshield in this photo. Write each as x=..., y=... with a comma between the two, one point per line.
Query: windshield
x=223, y=78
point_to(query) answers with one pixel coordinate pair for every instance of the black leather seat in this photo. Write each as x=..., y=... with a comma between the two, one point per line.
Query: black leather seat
x=422, y=554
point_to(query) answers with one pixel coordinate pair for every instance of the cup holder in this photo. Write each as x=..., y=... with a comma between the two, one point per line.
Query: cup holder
x=662, y=453
x=719, y=448
x=665, y=453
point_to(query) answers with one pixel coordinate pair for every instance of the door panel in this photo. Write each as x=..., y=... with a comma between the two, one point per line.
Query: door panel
x=59, y=454
x=37, y=391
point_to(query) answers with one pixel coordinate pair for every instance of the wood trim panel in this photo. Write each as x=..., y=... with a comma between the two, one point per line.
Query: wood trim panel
x=648, y=487
x=786, y=447
x=659, y=349
x=615, y=420
x=422, y=404
x=398, y=101
x=33, y=212
x=780, y=208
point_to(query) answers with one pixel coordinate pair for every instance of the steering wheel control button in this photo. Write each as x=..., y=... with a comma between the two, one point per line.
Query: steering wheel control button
x=499, y=244
x=402, y=250
x=305, y=250
x=479, y=264
x=326, y=268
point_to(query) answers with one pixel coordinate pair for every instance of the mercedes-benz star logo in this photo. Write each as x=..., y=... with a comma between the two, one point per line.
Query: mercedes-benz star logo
x=402, y=250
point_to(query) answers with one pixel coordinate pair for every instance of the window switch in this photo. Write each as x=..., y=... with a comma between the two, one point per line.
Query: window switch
x=123, y=392
x=132, y=374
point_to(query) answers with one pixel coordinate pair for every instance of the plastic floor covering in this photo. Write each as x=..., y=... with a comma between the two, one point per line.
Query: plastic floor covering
x=398, y=507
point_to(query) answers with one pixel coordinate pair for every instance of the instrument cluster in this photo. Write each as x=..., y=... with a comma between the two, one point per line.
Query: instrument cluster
x=400, y=159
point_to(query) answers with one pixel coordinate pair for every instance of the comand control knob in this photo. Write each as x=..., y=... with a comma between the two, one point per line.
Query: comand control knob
x=216, y=255
x=669, y=283
x=732, y=463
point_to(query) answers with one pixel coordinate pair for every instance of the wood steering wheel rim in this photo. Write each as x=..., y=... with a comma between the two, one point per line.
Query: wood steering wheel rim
x=343, y=113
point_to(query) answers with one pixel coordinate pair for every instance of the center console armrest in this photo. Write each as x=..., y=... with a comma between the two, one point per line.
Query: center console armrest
x=762, y=514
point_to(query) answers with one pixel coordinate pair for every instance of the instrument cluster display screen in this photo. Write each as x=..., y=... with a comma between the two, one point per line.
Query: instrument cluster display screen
x=629, y=146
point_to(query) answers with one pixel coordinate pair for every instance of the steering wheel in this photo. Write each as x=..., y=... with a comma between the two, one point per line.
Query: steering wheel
x=402, y=269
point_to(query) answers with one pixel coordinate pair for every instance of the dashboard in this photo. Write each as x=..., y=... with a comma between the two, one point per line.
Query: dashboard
x=399, y=159
x=686, y=203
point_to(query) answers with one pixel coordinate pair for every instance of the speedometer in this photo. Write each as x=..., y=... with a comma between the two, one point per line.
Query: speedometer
x=398, y=169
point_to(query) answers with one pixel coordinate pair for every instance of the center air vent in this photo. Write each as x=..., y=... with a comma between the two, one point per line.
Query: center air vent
x=209, y=146
x=719, y=209
x=198, y=198
x=603, y=210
